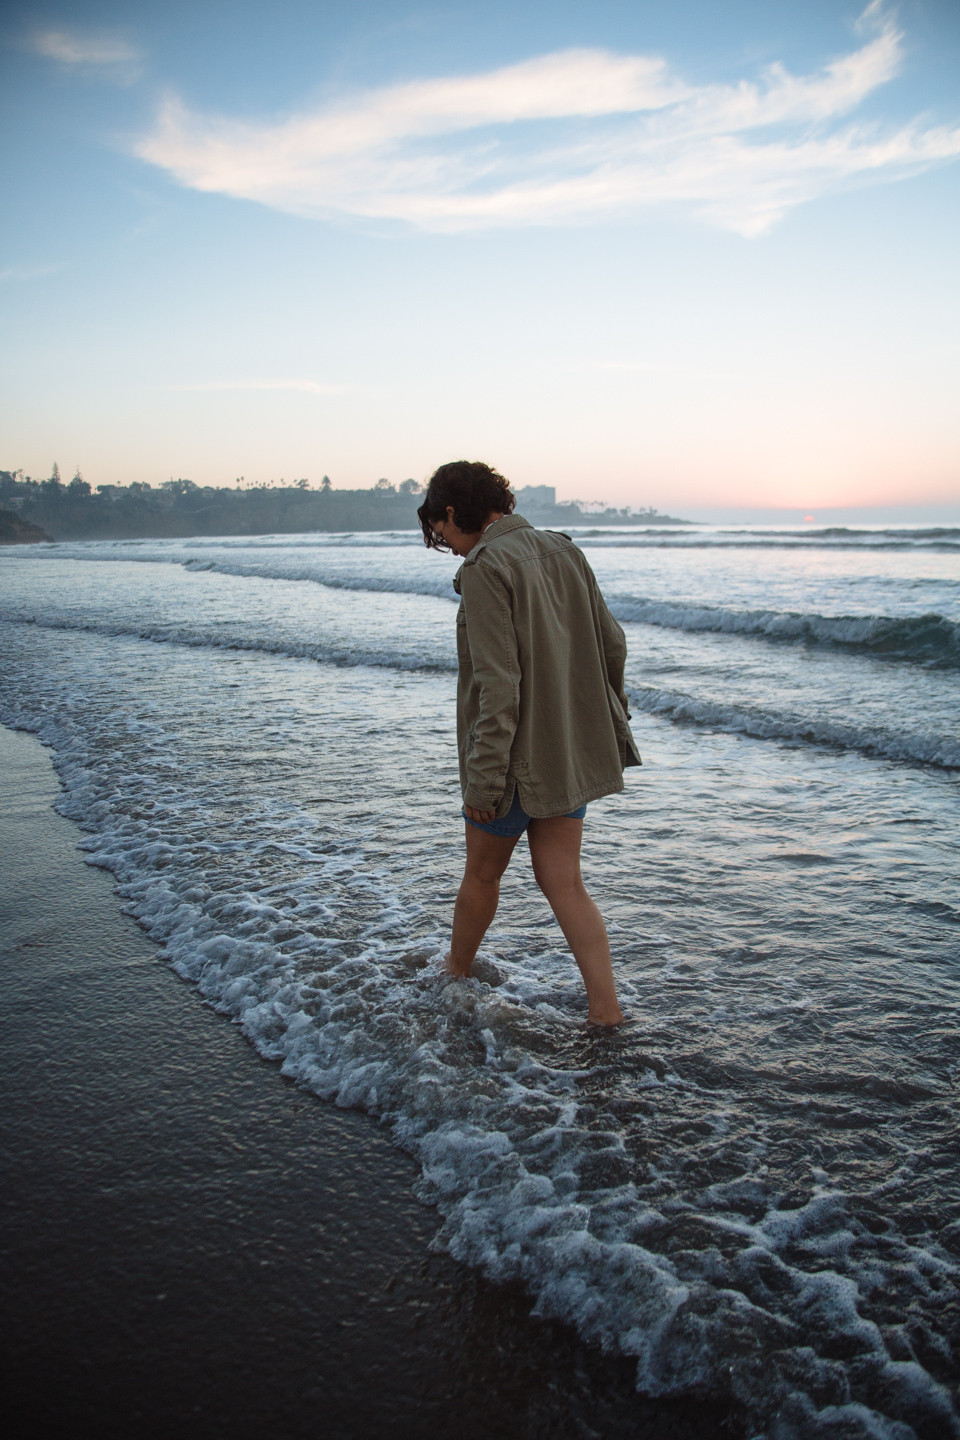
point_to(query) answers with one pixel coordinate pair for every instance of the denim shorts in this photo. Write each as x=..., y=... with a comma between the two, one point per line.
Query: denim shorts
x=516, y=820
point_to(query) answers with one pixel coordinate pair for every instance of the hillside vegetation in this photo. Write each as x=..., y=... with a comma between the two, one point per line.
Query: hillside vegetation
x=179, y=508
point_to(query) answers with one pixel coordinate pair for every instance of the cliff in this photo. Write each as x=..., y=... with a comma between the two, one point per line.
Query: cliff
x=14, y=531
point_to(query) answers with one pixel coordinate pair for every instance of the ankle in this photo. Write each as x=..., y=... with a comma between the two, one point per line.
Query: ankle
x=605, y=1018
x=457, y=965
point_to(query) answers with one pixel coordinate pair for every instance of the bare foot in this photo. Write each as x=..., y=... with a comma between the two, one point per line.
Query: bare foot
x=451, y=969
x=607, y=1022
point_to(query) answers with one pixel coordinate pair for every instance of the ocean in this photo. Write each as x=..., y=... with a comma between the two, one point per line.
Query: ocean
x=752, y=1190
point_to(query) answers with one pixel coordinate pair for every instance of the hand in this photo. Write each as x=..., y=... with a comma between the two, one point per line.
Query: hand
x=479, y=817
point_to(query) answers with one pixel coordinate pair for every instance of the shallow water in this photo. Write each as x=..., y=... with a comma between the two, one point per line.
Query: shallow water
x=753, y=1189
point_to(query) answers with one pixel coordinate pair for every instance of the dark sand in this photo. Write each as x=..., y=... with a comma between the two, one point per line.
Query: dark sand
x=194, y=1248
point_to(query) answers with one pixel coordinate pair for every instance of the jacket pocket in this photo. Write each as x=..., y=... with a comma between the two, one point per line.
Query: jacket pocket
x=463, y=644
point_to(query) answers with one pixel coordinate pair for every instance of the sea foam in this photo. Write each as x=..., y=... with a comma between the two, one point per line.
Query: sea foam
x=298, y=932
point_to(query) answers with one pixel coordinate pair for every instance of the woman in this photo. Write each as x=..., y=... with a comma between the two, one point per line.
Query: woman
x=541, y=712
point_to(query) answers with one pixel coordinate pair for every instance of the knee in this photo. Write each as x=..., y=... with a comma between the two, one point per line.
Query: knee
x=557, y=884
x=483, y=874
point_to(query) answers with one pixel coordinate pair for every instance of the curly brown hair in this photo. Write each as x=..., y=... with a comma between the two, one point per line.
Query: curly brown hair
x=473, y=489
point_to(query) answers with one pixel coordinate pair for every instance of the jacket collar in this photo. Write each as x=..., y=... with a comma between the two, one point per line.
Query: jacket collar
x=503, y=526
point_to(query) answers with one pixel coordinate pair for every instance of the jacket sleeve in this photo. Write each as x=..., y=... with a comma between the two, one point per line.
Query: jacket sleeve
x=614, y=644
x=496, y=671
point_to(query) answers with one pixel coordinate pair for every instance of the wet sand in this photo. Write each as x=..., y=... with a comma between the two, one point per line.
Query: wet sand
x=192, y=1246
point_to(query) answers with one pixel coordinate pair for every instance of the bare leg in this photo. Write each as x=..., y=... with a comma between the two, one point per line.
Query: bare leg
x=555, y=852
x=487, y=858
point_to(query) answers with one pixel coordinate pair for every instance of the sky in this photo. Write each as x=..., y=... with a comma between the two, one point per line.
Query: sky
x=685, y=255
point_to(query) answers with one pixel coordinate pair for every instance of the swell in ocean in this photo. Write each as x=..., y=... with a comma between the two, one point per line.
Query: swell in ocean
x=934, y=538
x=929, y=639
x=923, y=639
x=916, y=748
x=938, y=539
x=942, y=751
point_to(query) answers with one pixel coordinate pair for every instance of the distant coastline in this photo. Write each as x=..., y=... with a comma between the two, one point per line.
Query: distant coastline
x=15, y=531
x=34, y=511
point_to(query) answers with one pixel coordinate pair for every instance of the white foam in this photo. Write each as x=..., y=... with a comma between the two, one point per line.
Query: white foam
x=351, y=1033
x=917, y=748
x=299, y=932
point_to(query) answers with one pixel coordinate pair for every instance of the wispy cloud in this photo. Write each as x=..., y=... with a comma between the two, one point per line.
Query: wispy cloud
x=108, y=55
x=30, y=272
x=309, y=387
x=566, y=137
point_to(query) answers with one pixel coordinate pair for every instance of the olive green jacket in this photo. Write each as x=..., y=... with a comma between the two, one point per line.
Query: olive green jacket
x=540, y=698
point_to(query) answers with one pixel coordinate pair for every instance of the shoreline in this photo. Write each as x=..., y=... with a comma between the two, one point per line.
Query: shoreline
x=193, y=1245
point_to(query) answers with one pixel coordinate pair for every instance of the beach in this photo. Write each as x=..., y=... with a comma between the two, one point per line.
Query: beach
x=376, y=1195
x=192, y=1245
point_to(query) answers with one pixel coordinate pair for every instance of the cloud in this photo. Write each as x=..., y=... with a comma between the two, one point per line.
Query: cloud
x=109, y=55
x=30, y=272
x=563, y=138
x=310, y=387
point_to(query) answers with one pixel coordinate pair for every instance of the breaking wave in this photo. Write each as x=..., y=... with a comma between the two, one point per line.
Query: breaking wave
x=915, y=748
x=942, y=539
x=930, y=639
x=927, y=639
x=437, y=586
x=327, y=652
